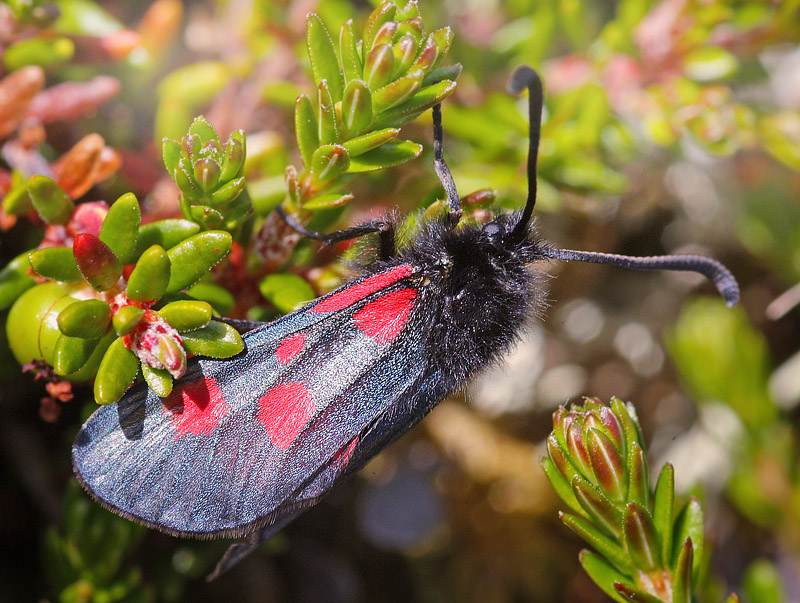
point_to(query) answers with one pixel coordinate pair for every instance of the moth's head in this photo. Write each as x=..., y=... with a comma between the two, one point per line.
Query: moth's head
x=500, y=237
x=495, y=233
x=482, y=256
x=522, y=235
x=511, y=238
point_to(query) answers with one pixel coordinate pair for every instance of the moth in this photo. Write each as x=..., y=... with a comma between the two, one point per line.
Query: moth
x=242, y=446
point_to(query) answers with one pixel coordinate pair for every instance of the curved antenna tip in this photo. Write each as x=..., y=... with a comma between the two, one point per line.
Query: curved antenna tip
x=713, y=270
x=730, y=292
x=523, y=77
x=526, y=77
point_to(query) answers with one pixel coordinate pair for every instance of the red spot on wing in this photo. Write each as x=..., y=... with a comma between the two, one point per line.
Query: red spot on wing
x=384, y=318
x=284, y=410
x=197, y=407
x=353, y=293
x=290, y=347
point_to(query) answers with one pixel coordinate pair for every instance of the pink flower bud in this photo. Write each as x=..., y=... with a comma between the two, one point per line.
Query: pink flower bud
x=158, y=345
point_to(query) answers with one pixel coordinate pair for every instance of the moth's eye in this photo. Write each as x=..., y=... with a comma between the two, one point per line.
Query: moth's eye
x=492, y=231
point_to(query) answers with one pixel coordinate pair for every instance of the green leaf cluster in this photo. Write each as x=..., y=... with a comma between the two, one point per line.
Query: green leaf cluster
x=210, y=177
x=366, y=88
x=646, y=548
x=91, y=334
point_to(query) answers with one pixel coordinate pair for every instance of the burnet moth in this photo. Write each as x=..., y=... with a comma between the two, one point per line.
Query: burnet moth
x=242, y=446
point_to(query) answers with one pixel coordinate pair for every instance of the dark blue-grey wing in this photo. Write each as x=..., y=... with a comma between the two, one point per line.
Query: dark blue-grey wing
x=239, y=441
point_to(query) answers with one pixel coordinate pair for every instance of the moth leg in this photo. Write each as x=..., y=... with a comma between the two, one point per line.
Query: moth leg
x=440, y=166
x=385, y=230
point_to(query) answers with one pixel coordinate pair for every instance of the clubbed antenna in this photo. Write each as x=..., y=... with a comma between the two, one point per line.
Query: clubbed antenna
x=525, y=77
x=712, y=269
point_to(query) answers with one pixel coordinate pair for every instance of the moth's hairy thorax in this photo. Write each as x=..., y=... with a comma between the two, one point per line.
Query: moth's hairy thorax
x=480, y=292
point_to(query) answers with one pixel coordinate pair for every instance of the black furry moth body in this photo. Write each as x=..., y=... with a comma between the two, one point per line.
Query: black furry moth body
x=244, y=445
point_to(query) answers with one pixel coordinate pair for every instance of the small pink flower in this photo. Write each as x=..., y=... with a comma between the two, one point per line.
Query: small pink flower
x=157, y=344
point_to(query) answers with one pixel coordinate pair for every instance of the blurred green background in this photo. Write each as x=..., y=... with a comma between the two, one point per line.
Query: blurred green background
x=670, y=126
